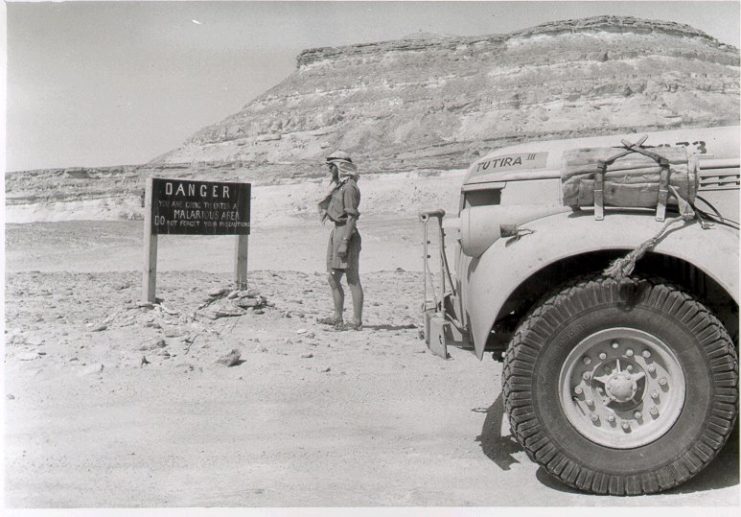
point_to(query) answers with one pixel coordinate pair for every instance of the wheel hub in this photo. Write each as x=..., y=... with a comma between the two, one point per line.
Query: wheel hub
x=622, y=387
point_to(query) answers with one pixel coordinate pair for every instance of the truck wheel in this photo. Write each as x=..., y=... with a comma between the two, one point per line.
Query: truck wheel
x=621, y=388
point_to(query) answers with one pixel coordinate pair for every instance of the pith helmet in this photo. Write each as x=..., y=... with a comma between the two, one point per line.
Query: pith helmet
x=339, y=156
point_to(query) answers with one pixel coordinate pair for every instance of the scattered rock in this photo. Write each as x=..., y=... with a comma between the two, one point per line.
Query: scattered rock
x=154, y=345
x=218, y=292
x=10, y=396
x=34, y=341
x=326, y=370
x=226, y=313
x=145, y=305
x=302, y=331
x=259, y=311
x=144, y=361
x=99, y=328
x=28, y=356
x=92, y=369
x=307, y=355
x=261, y=348
x=230, y=359
x=17, y=339
x=248, y=303
x=169, y=311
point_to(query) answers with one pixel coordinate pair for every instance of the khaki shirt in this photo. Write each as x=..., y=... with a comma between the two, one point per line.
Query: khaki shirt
x=344, y=202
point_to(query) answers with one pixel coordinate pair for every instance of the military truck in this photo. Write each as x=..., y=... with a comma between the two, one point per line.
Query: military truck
x=604, y=273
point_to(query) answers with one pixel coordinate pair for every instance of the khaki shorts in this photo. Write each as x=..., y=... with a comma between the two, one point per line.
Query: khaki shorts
x=351, y=263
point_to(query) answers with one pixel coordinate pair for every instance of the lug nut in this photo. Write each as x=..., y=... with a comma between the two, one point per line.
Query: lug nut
x=629, y=352
x=589, y=402
x=654, y=394
x=646, y=354
x=587, y=360
x=651, y=368
x=637, y=415
x=626, y=426
x=586, y=376
x=663, y=381
x=629, y=368
x=595, y=419
x=654, y=412
x=603, y=356
x=614, y=344
x=578, y=390
x=611, y=419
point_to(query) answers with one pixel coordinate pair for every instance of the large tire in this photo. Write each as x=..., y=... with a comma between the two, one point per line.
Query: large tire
x=621, y=388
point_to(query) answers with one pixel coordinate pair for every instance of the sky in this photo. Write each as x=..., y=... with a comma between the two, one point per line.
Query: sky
x=113, y=83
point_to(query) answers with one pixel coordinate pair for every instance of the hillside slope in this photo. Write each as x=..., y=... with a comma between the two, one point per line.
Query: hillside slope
x=439, y=101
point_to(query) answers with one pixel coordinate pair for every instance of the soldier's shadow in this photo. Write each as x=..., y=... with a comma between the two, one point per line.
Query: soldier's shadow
x=497, y=446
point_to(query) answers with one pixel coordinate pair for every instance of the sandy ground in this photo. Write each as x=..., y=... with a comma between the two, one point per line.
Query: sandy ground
x=308, y=416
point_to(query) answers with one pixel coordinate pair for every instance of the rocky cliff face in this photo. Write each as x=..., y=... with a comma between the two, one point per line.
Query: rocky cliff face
x=439, y=102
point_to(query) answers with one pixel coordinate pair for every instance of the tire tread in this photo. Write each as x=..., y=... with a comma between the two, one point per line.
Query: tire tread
x=534, y=332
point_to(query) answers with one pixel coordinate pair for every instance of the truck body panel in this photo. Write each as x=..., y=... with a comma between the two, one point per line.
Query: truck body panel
x=488, y=281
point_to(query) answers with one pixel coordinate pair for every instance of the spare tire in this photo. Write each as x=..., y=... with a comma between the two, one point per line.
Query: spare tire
x=621, y=388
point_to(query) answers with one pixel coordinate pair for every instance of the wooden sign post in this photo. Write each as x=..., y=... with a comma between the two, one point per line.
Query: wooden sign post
x=149, y=280
x=186, y=207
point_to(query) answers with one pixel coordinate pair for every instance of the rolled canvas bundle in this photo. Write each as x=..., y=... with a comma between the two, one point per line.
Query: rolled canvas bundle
x=630, y=177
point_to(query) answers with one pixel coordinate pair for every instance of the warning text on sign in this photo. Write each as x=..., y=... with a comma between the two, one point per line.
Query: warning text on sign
x=200, y=207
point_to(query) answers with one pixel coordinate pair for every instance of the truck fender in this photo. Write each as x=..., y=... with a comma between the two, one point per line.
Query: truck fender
x=491, y=279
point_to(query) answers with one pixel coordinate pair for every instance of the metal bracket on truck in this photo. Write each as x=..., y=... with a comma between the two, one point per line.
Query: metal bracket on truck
x=440, y=327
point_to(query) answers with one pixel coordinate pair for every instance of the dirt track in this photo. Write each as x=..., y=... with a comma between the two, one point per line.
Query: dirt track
x=310, y=417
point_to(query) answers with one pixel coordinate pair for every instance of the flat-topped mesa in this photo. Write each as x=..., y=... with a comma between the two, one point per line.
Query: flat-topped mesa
x=618, y=24
x=433, y=101
x=596, y=24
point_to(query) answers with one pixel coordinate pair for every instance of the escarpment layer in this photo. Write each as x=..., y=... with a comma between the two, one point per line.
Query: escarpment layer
x=439, y=102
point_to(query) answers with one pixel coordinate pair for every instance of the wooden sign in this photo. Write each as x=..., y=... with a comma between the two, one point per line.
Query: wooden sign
x=189, y=207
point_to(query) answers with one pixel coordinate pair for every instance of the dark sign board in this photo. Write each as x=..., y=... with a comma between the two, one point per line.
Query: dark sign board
x=185, y=207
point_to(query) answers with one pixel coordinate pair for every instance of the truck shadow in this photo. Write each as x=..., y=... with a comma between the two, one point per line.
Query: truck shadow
x=496, y=447
x=723, y=471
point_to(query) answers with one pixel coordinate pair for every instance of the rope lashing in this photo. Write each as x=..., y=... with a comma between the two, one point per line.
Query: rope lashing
x=623, y=267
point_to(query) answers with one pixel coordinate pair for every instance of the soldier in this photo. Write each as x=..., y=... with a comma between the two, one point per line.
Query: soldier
x=340, y=205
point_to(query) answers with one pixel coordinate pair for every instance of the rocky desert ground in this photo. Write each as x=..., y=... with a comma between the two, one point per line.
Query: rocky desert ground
x=214, y=400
